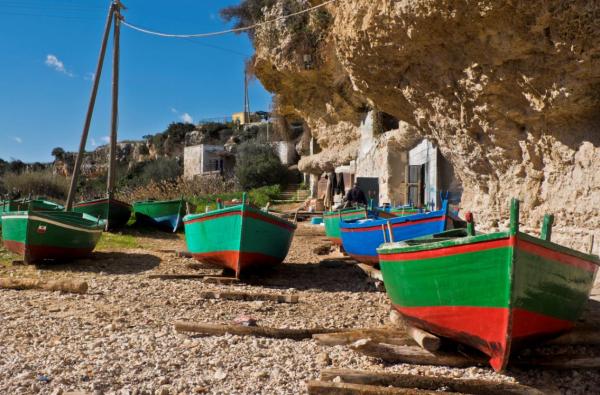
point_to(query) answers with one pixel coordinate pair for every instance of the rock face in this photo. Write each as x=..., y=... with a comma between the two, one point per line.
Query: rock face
x=507, y=89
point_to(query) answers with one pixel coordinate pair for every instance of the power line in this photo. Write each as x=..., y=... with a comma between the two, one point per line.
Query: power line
x=222, y=32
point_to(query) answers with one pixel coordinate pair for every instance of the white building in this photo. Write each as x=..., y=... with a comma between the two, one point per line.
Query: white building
x=205, y=159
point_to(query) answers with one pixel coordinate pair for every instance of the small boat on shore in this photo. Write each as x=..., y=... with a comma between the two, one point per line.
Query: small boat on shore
x=43, y=235
x=361, y=237
x=495, y=292
x=240, y=237
x=164, y=214
x=114, y=212
x=332, y=221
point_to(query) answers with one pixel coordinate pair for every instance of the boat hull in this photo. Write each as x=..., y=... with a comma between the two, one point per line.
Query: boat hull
x=514, y=289
x=362, y=238
x=238, y=238
x=332, y=222
x=115, y=212
x=38, y=236
x=167, y=214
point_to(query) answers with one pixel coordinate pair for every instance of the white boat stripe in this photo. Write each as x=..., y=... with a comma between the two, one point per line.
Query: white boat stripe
x=36, y=218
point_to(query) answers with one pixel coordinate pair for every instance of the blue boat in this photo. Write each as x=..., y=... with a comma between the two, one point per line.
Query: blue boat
x=361, y=237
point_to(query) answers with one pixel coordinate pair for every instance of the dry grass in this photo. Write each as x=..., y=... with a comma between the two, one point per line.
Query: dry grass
x=173, y=189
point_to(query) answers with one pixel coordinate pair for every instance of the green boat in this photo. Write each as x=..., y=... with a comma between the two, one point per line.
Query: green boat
x=115, y=212
x=496, y=292
x=164, y=214
x=42, y=235
x=239, y=238
x=7, y=206
x=332, y=222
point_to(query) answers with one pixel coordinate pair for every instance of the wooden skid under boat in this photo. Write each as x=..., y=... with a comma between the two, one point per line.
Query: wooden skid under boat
x=332, y=221
x=495, y=292
x=361, y=238
x=114, y=212
x=41, y=235
x=164, y=214
x=238, y=238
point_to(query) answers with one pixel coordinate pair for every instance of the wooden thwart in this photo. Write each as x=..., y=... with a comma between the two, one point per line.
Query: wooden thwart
x=432, y=383
x=258, y=331
x=72, y=286
x=329, y=388
x=249, y=296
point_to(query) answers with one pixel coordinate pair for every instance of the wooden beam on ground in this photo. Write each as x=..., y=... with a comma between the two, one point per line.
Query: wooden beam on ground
x=258, y=331
x=562, y=361
x=424, y=339
x=370, y=271
x=432, y=383
x=246, y=296
x=396, y=319
x=329, y=388
x=578, y=336
x=413, y=355
x=380, y=335
x=184, y=254
x=178, y=276
x=72, y=286
x=220, y=280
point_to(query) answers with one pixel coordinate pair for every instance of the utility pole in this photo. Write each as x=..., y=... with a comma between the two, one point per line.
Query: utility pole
x=246, y=97
x=90, y=111
x=114, y=122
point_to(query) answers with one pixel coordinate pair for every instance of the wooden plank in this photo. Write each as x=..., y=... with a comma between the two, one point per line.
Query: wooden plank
x=72, y=286
x=424, y=339
x=383, y=335
x=258, y=331
x=220, y=280
x=433, y=383
x=370, y=271
x=578, y=336
x=246, y=296
x=184, y=254
x=414, y=355
x=178, y=276
x=563, y=361
x=315, y=387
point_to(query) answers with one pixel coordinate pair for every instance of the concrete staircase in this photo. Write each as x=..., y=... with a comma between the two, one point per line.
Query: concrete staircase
x=293, y=193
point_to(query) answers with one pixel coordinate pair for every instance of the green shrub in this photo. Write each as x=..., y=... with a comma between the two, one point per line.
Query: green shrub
x=38, y=183
x=161, y=169
x=258, y=196
x=257, y=165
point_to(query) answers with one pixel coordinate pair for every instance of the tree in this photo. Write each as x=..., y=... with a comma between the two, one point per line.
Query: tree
x=258, y=165
x=247, y=13
x=58, y=153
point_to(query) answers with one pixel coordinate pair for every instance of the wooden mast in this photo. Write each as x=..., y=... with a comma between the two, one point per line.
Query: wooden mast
x=112, y=151
x=90, y=111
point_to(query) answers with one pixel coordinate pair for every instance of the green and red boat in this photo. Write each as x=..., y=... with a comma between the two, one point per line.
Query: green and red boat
x=164, y=214
x=496, y=292
x=332, y=221
x=114, y=212
x=240, y=237
x=55, y=235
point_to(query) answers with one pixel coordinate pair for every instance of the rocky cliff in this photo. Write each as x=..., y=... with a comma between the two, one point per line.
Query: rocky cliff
x=509, y=90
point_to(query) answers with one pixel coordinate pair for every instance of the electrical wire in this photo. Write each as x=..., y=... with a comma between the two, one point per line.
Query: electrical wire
x=223, y=32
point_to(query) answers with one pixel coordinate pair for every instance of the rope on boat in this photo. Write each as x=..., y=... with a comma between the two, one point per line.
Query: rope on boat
x=223, y=32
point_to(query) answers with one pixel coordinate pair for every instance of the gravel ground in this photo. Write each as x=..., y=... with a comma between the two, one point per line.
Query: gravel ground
x=119, y=337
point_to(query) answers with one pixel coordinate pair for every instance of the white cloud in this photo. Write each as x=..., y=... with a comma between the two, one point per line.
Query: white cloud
x=53, y=62
x=105, y=139
x=89, y=76
x=174, y=110
x=18, y=140
x=187, y=118
x=94, y=144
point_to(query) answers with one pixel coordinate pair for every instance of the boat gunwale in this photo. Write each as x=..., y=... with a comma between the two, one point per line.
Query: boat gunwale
x=92, y=225
x=150, y=202
x=398, y=248
x=338, y=213
x=241, y=209
x=87, y=203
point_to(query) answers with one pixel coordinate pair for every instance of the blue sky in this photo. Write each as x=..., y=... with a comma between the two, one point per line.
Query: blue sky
x=49, y=52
